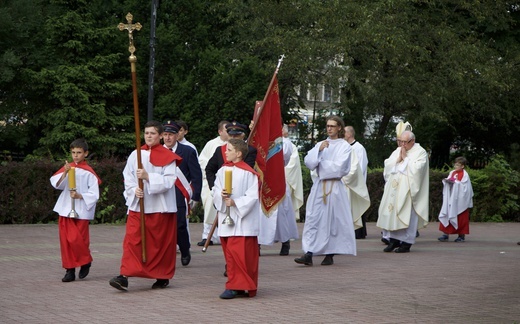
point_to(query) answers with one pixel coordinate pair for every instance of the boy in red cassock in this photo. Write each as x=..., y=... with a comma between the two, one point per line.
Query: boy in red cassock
x=159, y=176
x=240, y=239
x=73, y=224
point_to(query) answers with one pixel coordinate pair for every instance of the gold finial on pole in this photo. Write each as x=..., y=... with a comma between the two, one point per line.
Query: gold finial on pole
x=130, y=28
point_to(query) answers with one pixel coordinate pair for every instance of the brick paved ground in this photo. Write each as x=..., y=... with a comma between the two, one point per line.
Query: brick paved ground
x=472, y=282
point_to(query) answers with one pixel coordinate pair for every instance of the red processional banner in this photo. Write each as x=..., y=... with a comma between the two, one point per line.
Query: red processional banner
x=266, y=137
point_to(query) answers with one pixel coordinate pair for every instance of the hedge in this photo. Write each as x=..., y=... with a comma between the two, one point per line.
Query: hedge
x=26, y=196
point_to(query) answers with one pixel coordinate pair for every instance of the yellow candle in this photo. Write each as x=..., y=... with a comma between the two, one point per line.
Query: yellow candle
x=228, y=181
x=72, y=178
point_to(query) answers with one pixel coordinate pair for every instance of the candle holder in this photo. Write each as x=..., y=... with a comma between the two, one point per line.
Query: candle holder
x=228, y=184
x=72, y=213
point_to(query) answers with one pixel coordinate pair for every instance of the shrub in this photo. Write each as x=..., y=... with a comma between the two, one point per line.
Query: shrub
x=27, y=197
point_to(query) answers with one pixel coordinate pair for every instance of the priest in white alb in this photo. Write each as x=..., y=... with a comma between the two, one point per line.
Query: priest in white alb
x=404, y=206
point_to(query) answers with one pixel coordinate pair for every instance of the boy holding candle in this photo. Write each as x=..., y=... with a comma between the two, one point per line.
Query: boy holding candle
x=236, y=194
x=76, y=206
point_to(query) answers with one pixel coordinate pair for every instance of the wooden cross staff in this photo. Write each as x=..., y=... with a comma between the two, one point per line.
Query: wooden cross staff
x=133, y=59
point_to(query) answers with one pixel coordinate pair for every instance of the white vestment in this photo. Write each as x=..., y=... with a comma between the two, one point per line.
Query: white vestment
x=404, y=206
x=245, y=193
x=159, y=190
x=329, y=228
x=207, y=200
x=357, y=190
x=362, y=157
x=280, y=225
x=457, y=196
x=294, y=180
x=86, y=185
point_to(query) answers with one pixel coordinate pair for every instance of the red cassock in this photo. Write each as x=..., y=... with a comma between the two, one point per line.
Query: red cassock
x=241, y=253
x=74, y=242
x=161, y=249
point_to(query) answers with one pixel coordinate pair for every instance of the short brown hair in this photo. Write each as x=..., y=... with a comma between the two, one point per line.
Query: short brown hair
x=340, y=122
x=79, y=143
x=155, y=124
x=462, y=160
x=240, y=146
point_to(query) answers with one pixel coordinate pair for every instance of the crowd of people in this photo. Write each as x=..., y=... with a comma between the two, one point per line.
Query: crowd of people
x=166, y=178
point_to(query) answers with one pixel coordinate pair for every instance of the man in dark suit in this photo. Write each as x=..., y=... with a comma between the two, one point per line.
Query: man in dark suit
x=190, y=168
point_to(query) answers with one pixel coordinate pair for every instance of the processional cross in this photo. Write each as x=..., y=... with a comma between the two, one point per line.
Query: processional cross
x=133, y=59
x=130, y=27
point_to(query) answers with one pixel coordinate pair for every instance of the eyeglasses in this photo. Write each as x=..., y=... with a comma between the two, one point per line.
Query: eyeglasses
x=404, y=142
x=330, y=126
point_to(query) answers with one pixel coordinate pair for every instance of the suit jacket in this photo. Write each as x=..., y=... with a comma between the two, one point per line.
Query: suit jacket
x=217, y=160
x=191, y=168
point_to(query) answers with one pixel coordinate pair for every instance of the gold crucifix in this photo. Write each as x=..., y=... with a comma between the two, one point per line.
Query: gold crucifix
x=130, y=27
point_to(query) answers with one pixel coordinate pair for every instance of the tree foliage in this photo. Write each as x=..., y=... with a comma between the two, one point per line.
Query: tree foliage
x=449, y=67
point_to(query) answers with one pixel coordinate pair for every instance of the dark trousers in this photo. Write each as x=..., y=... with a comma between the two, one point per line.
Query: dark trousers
x=361, y=233
x=183, y=238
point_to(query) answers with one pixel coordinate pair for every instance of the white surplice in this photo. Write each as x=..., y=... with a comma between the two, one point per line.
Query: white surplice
x=159, y=190
x=86, y=185
x=357, y=190
x=456, y=197
x=329, y=228
x=245, y=193
x=362, y=157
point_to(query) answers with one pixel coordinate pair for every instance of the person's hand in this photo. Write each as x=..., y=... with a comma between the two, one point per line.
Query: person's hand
x=139, y=193
x=229, y=202
x=75, y=195
x=142, y=174
x=402, y=154
x=324, y=145
x=224, y=194
x=67, y=166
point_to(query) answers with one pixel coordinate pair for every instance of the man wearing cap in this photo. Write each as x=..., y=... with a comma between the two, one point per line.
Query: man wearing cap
x=404, y=206
x=192, y=181
x=207, y=200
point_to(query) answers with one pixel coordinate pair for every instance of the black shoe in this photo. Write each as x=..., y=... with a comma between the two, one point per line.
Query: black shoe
x=304, y=259
x=328, y=260
x=185, y=260
x=70, y=275
x=228, y=294
x=119, y=282
x=286, y=246
x=203, y=242
x=404, y=248
x=394, y=244
x=386, y=241
x=84, y=270
x=161, y=283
